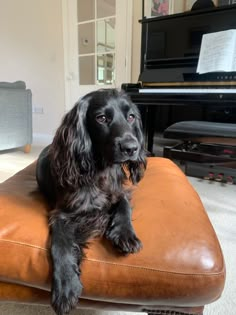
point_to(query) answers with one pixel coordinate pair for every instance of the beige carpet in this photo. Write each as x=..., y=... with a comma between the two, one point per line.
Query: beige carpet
x=220, y=203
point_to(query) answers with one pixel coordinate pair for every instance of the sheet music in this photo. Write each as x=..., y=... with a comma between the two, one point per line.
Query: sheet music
x=218, y=52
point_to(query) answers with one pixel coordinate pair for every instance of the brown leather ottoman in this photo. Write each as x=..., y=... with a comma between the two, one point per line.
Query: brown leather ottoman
x=180, y=268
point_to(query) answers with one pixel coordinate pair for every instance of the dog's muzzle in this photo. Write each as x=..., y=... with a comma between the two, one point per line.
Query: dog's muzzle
x=128, y=146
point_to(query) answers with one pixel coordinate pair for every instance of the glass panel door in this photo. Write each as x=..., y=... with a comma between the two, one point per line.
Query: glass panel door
x=96, y=40
x=97, y=45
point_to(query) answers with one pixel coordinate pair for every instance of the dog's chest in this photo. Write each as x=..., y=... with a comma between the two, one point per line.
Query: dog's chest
x=104, y=191
x=110, y=184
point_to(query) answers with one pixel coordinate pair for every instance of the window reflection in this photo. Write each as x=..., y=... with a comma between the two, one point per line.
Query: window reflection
x=153, y=8
x=96, y=22
x=105, y=69
x=106, y=35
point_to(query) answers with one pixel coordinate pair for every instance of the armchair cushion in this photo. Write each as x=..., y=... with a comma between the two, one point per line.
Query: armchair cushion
x=16, y=115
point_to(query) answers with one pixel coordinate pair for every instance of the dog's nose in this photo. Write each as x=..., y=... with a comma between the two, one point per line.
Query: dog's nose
x=129, y=147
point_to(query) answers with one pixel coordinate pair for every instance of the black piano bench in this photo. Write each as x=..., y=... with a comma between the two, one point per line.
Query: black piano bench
x=207, y=149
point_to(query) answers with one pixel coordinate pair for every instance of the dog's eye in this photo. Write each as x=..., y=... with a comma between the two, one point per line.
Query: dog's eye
x=101, y=119
x=131, y=118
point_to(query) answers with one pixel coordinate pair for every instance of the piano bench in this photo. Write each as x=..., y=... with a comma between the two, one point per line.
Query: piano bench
x=207, y=149
x=192, y=130
x=179, y=270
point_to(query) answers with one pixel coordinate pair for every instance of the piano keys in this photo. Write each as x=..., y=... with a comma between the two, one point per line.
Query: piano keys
x=188, y=91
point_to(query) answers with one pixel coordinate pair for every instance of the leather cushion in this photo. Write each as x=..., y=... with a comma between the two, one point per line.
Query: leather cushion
x=181, y=262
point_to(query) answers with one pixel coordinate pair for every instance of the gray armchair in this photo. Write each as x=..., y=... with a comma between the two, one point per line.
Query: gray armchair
x=15, y=116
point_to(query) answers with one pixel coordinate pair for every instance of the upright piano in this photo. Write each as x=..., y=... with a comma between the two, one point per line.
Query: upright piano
x=169, y=89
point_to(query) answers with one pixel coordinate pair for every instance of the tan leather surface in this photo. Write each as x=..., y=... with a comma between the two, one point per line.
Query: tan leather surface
x=181, y=262
x=21, y=294
x=10, y=292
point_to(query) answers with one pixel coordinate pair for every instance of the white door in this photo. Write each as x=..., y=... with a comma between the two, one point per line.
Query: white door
x=97, y=45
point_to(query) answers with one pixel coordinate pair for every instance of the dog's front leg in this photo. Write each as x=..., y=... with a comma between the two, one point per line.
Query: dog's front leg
x=66, y=255
x=120, y=230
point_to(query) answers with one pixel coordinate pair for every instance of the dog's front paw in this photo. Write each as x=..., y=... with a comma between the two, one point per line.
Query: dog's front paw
x=66, y=290
x=124, y=239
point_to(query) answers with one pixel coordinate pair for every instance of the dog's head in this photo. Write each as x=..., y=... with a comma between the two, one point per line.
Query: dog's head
x=114, y=126
x=102, y=129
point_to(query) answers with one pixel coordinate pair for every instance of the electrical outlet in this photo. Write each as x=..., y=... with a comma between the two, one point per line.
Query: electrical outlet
x=38, y=110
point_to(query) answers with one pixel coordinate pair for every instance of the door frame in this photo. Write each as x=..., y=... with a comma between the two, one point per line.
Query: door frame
x=70, y=44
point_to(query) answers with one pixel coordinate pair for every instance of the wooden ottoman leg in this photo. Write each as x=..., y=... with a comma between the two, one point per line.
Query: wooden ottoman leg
x=27, y=148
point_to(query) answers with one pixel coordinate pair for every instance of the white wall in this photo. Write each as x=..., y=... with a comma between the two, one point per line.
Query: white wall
x=31, y=49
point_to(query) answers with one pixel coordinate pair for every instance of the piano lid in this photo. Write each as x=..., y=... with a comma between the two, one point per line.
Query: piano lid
x=170, y=46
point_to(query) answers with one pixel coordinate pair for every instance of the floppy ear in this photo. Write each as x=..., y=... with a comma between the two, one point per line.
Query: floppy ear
x=136, y=170
x=71, y=150
x=138, y=167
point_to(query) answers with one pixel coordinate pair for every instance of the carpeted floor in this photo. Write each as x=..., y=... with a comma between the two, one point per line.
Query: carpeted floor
x=220, y=203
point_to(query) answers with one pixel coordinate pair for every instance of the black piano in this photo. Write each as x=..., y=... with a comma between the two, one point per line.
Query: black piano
x=168, y=89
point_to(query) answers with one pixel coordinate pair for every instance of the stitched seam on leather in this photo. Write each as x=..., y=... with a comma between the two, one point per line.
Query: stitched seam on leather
x=120, y=265
x=23, y=244
x=154, y=269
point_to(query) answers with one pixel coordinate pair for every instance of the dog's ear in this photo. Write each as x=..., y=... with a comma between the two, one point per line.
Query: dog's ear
x=137, y=168
x=71, y=150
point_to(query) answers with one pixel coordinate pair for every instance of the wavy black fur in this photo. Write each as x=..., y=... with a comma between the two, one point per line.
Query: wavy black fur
x=82, y=174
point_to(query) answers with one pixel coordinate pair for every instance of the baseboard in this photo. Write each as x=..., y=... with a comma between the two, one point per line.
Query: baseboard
x=42, y=139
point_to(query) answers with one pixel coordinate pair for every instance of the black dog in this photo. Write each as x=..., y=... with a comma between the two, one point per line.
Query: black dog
x=82, y=174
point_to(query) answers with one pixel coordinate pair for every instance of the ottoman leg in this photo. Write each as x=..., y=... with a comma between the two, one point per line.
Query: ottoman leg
x=27, y=148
